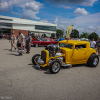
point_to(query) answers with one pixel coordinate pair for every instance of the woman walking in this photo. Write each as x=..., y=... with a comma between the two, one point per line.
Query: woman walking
x=12, y=41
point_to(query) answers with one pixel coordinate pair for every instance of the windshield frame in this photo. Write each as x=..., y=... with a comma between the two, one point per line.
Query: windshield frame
x=67, y=45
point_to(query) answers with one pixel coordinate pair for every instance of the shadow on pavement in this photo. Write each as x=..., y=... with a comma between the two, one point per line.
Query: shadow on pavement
x=14, y=54
x=62, y=68
x=6, y=49
x=40, y=69
x=81, y=65
x=11, y=54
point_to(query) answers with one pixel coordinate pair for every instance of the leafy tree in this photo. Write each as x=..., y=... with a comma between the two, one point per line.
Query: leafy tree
x=52, y=35
x=44, y=35
x=74, y=34
x=84, y=35
x=94, y=35
x=32, y=34
x=59, y=32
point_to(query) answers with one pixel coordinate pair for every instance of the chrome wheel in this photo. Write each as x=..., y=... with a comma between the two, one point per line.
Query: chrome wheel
x=36, y=58
x=55, y=67
x=95, y=61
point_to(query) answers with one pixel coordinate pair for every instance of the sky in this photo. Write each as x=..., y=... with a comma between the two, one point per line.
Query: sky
x=83, y=14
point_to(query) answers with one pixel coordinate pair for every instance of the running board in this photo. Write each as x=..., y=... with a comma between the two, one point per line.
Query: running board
x=65, y=65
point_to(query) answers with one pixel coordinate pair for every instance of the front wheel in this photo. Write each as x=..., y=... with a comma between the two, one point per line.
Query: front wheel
x=35, y=58
x=93, y=60
x=54, y=67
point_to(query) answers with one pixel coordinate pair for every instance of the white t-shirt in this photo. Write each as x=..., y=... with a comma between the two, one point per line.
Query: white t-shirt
x=92, y=44
x=20, y=38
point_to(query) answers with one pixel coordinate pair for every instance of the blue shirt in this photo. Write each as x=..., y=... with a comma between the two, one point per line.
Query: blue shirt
x=61, y=39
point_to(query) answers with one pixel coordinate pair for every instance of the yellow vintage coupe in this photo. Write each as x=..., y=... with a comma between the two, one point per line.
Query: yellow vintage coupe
x=66, y=53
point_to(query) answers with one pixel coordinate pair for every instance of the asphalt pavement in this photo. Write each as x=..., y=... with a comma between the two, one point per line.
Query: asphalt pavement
x=21, y=80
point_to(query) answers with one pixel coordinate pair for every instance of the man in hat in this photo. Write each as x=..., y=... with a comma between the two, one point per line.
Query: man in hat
x=28, y=42
x=61, y=38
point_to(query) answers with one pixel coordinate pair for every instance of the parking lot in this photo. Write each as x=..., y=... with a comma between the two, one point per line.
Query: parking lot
x=21, y=80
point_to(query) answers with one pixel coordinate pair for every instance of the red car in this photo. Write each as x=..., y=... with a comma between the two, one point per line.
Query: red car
x=43, y=42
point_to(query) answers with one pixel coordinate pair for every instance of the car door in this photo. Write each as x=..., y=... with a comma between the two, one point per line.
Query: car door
x=44, y=42
x=79, y=53
x=49, y=42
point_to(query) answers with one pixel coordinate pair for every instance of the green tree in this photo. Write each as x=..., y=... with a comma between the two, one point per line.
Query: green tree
x=52, y=35
x=32, y=34
x=44, y=35
x=59, y=32
x=94, y=35
x=74, y=34
x=84, y=35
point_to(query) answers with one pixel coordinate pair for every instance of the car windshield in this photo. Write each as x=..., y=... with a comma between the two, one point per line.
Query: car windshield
x=65, y=45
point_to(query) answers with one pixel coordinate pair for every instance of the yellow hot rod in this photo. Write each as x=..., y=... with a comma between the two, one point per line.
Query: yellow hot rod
x=66, y=53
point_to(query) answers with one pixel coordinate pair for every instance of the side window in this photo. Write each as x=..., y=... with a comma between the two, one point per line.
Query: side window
x=48, y=40
x=45, y=39
x=80, y=46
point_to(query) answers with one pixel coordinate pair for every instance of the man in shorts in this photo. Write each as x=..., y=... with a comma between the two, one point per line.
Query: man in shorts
x=20, y=41
x=28, y=43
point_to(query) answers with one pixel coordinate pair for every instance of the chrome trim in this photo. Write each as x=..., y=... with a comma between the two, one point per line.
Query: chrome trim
x=40, y=61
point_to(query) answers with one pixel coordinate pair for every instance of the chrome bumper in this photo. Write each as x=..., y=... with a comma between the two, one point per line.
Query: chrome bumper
x=37, y=65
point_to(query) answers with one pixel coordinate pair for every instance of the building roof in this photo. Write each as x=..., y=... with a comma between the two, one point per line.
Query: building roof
x=24, y=21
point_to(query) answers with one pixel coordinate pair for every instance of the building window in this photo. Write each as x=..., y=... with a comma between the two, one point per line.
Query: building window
x=6, y=19
x=6, y=24
x=5, y=31
x=47, y=28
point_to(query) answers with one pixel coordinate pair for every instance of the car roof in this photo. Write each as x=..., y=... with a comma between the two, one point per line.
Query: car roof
x=74, y=42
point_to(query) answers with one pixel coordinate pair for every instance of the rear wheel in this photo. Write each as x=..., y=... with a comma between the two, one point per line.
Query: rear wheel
x=36, y=45
x=93, y=60
x=54, y=67
x=35, y=58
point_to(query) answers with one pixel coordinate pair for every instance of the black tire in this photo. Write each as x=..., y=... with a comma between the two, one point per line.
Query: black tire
x=35, y=58
x=93, y=60
x=54, y=70
x=36, y=45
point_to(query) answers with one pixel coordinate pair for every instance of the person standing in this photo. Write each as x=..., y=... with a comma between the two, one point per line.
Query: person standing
x=98, y=46
x=92, y=43
x=20, y=41
x=12, y=40
x=28, y=43
x=17, y=41
x=61, y=38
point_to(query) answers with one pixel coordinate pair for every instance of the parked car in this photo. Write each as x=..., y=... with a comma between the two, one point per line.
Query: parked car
x=66, y=53
x=6, y=36
x=43, y=42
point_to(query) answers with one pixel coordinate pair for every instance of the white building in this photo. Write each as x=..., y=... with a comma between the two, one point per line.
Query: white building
x=7, y=24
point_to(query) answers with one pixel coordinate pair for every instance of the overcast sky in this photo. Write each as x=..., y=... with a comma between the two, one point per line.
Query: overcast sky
x=83, y=14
